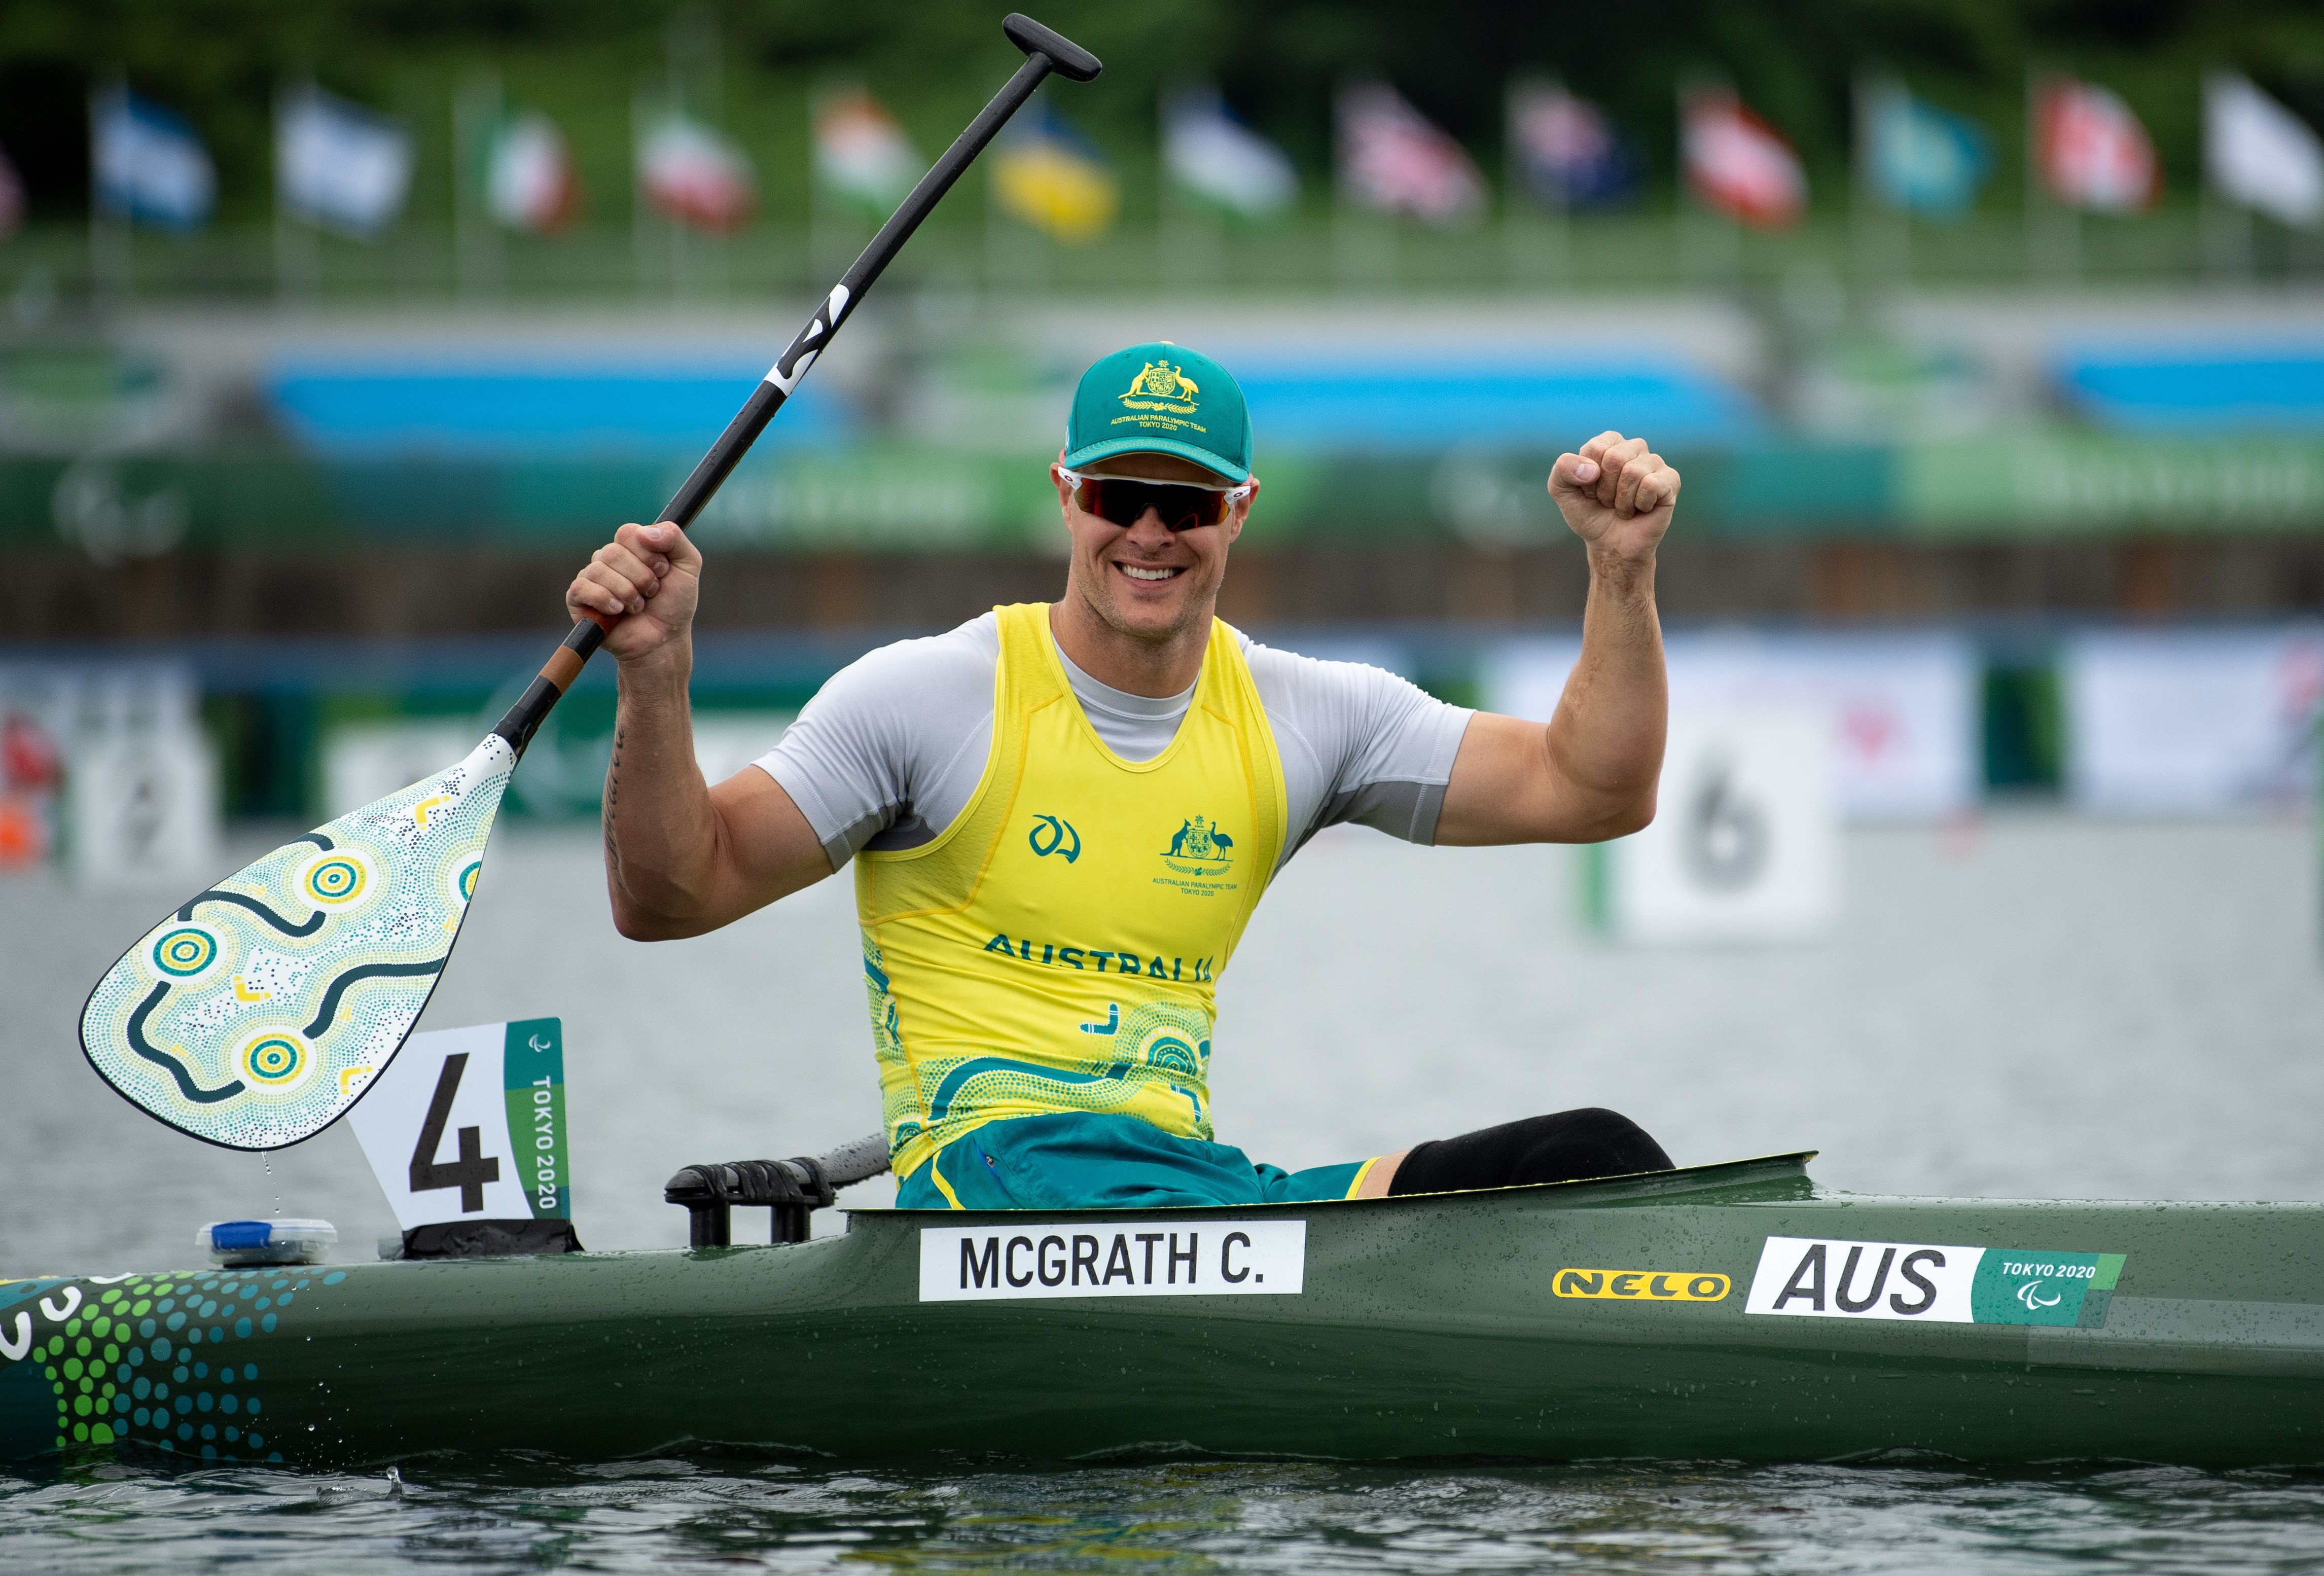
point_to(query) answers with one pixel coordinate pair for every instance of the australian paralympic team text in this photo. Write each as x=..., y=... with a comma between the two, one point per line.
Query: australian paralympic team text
x=1059, y=1260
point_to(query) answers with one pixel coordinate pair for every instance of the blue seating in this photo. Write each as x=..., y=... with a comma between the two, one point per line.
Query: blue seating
x=478, y=408
x=1379, y=402
x=2197, y=390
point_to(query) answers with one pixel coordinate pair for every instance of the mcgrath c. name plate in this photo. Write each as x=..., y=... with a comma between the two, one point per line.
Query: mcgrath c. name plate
x=1112, y=1259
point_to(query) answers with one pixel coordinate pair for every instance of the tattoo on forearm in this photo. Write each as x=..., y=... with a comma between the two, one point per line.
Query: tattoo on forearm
x=613, y=795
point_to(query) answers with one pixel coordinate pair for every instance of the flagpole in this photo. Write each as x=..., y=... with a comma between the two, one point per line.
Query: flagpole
x=1537, y=226
x=2028, y=245
x=298, y=248
x=705, y=62
x=1860, y=190
x=993, y=236
x=2225, y=235
x=1882, y=231
x=820, y=226
x=1681, y=216
x=97, y=262
x=1710, y=245
x=2223, y=226
x=1365, y=247
x=1016, y=257
x=640, y=224
x=1514, y=258
x=2053, y=233
x=281, y=216
x=111, y=266
x=673, y=98
x=1561, y=212
x=1343, y=234
x=1167, y=205
x=477, y=254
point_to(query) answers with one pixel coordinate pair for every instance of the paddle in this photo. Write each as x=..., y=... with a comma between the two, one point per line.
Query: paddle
x=255, y=1014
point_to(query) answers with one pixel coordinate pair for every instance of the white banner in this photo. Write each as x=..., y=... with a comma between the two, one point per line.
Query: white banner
x=1112, y=1259
x=2190, y=722
x=1901, y=710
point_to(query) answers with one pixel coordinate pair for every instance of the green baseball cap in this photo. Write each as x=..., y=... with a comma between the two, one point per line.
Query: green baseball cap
x=1160, y=397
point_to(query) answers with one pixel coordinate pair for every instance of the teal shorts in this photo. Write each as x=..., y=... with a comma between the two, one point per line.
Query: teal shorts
x=1076, y=1161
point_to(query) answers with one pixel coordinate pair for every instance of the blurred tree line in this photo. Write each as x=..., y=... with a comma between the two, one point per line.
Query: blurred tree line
x=933, y=61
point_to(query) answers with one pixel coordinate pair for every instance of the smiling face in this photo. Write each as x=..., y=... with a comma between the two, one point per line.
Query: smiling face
x=1144, y=580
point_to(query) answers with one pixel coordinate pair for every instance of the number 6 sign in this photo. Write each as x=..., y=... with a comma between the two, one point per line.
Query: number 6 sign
x=467, y=1126
x=1744, y=843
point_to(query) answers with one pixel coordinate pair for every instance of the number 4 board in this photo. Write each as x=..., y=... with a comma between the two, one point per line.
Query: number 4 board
x=468, y=1124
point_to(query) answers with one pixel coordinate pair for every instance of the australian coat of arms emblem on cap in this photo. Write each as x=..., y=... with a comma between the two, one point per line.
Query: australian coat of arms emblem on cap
x=1162, y=380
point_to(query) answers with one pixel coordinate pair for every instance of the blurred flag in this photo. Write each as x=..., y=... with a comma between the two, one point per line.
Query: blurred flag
x=1392, y=159
x=12, y=198
x=1922, y=158
x=1215, y=156
x=147, y=162
x=340, y=164
x=528, y=181
x=1568, y=151
x=2090, y=150
x=2259, y=153
x=1739, y=165
x=860, y=152
x=694, y=174
x=1050, y=176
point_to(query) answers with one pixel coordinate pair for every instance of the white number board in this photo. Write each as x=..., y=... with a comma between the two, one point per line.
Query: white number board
x=143, y=809
x=1744, y=842
x=468, y=1124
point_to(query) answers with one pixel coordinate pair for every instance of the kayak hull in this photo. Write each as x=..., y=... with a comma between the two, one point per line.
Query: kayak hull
x=1458, y=1325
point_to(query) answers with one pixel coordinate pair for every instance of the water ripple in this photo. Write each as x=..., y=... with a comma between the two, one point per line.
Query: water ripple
x=1620, y=1518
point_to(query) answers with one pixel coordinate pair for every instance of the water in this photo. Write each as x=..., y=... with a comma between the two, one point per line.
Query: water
x=1226, y=1517
x=2038, y=1006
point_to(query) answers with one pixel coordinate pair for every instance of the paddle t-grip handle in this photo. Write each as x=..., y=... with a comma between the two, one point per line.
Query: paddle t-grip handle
x=1046, y=50
x=1067, y=59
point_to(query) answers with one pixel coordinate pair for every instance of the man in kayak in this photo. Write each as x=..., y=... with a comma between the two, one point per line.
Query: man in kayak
x=1062, y=816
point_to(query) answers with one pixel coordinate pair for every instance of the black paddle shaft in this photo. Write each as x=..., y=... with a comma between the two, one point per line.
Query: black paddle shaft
x=1044, y=51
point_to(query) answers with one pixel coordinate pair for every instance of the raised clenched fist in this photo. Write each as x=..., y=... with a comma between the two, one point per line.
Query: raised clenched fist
x=1616, y=495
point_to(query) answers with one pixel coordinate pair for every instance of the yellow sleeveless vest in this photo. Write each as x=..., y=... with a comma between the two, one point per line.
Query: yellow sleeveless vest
x=1055, y=948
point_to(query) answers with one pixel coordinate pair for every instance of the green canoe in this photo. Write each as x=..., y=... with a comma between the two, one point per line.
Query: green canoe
x=1734, y=1311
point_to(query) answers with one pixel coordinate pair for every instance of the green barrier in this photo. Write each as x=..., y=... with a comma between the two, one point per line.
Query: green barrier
x=2102, y=484
x=897, y=497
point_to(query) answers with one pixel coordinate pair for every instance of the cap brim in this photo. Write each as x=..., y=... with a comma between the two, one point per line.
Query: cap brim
x=1089, y=454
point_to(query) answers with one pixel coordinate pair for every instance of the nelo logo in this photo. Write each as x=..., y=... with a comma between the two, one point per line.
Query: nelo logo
x=1643, y=1285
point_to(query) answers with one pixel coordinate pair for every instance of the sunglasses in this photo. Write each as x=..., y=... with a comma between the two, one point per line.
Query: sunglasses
x=1123, y=501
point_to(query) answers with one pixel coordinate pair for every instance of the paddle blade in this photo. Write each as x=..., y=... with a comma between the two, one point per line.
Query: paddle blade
x=252, y=1015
